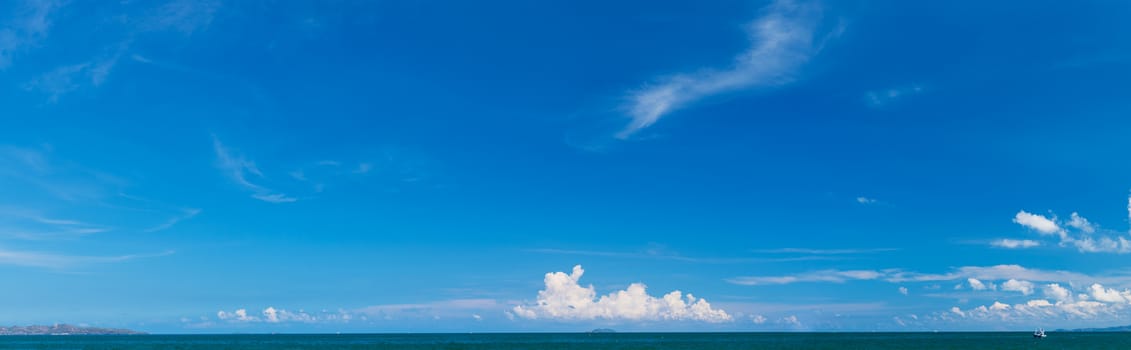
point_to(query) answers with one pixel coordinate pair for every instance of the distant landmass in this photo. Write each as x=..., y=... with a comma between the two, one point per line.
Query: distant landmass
x=602, y=330
x=1108, y=329
x=64, y=329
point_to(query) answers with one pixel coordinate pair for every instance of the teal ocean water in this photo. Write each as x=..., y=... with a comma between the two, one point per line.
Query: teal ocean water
x=714, y=341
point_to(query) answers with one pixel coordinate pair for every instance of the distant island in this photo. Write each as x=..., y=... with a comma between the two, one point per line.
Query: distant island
x=1108, y=329
x=602, y=330
x=64, y=329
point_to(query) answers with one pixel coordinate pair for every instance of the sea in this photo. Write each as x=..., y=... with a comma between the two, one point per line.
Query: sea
x=549, y=341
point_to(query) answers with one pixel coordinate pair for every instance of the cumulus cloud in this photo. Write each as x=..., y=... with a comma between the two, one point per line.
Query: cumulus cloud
x=1080, y=223
x=790, y=320
x=976, y=284
x=1039, y=309
x=1056, y=292
x=1012, y=285
x=903, y=290
x=958, y=311
x=758, y=319
x=999, y=306
x=273, y=315
x=1015, y=243
x=240, y=315
x=783, y=40
x=1081, y=236
x=1108, y=295
x=1039, y=223
x=564, y=299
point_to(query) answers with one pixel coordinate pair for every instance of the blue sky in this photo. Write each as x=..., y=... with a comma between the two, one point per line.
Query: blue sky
x=222, y=166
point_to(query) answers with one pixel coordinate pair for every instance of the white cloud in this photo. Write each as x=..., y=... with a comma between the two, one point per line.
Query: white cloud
x=273, y=315
x=1036, y=222
x=783, y=41
x=823, y=251
x=836, y=276
x=957, y=311
x=444, y=308
x=62, y=261
x=564, y=299
x=239, y=315
x=978, y=277
x=1015, y=243
x=1012, y=285
x=1038, y=303
x=186, y=214
x=1042, y=310
x=790, y=320
x=1080, y=223
x=1081, y=236
x=865, y=200
x=999, y=306
x=29, y=25
x=1056, y=292
x=880, y=98
x=976, y=284
x=903, y=290
x=274, y=198
x=758, y=319
x=183, y=16
x=1108, y=295
x=238, y=169
x=1101, y=245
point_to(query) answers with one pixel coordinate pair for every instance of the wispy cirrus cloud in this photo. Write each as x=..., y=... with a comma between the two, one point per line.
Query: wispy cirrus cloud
x=185, y=215
x=65, y=79
x=184, y=17
x=883, y=97
x=24, y=224
x=181, y=16
x=965, y=274
x=239, y=169
x=63, y=261
x=824, y=251
x=660, y=254
x=27, y=27
x=784, y=38
x=833, y=276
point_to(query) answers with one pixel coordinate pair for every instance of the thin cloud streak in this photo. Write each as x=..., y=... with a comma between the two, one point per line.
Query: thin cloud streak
x=188, y=214
x=659, y=256
x=62, y=261
x=238, y=169
x=824, y=251
x=965, y=273
x=783, y=41
x=26, y=30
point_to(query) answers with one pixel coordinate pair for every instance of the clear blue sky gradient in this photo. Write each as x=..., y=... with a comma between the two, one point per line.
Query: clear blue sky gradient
x=384, y=166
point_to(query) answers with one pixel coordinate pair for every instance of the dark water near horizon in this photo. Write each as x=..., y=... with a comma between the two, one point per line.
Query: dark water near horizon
x=714, y=341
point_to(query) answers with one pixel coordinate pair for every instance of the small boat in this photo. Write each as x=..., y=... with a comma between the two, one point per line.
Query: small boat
x=1039, y=333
